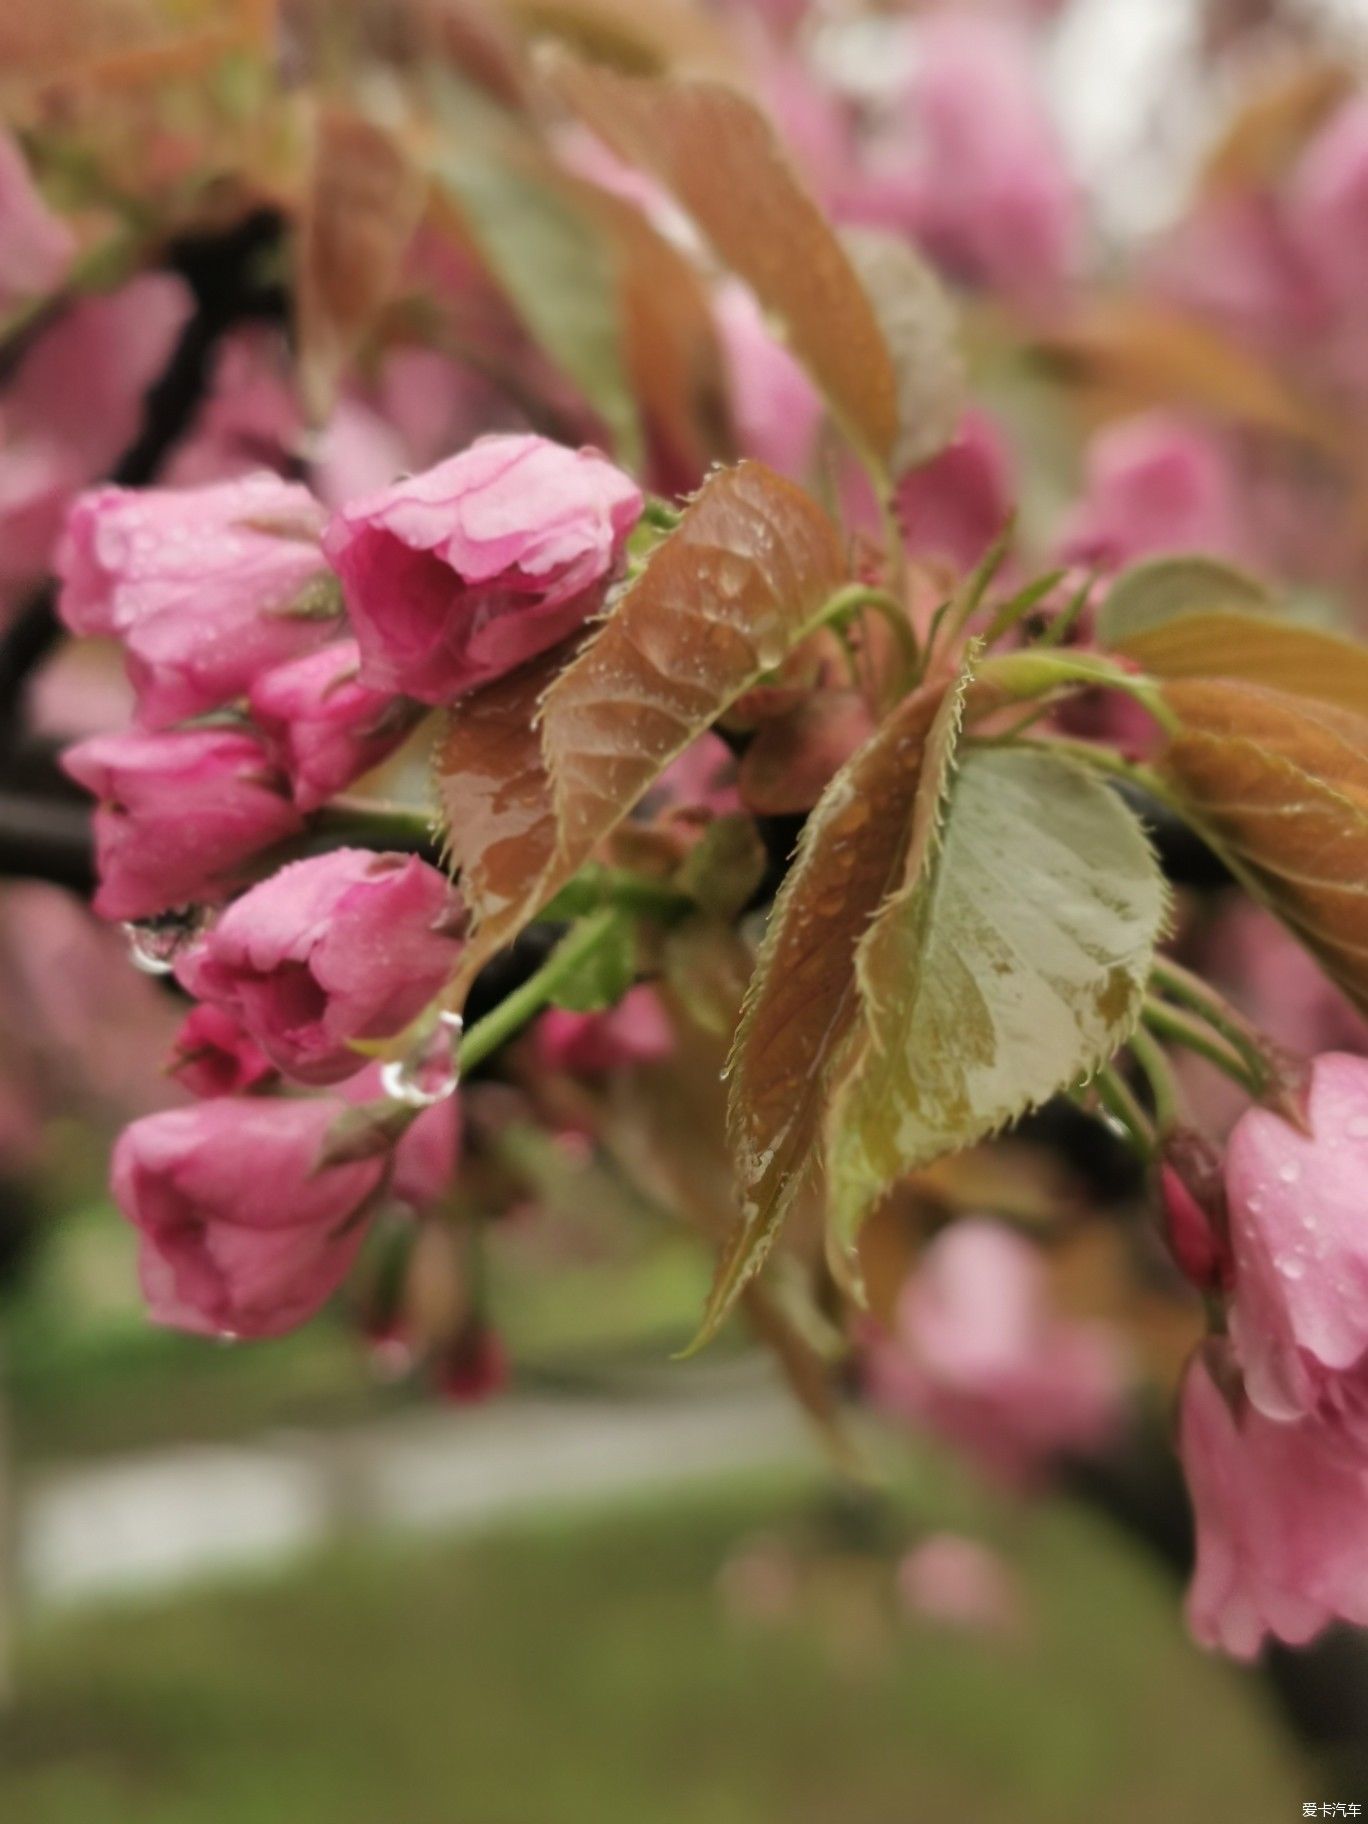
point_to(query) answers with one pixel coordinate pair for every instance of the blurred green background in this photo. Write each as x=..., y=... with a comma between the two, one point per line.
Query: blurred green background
x=732, y=1653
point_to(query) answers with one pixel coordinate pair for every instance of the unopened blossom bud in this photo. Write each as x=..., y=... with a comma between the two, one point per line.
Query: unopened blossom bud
x=178, y=815
x=244, y=1233
x=206, y=587
x=213, y=1056
x=326, y=726
x=473, y=1367
x=460, y=574
x=1192, y=1194
x=337, y=948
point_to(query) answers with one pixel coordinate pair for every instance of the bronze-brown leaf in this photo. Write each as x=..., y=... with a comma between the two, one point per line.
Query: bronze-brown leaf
x=804, y=996
x=362, y=206
x=718, y=155
x=1280, y=783
x=536, y=770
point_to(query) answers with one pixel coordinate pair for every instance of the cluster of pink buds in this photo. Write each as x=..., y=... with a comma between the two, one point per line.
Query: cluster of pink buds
x=276, y=657
x=1274, y=1421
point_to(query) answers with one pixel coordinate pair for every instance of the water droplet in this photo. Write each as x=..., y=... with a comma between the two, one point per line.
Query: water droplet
x=1292, y=1268
x=155, y=943
x=430, y=1072
x=1290, y=1172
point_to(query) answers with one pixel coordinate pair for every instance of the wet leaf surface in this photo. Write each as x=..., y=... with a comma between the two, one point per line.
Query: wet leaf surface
x=1280, y=783
x=719, y=157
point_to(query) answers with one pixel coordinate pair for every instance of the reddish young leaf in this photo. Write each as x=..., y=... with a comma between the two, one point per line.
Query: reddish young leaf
x=536, y=770
x=1280, y=783
x=1195, y=617
x=493, y=793
x=363, y=203
x=650, y=39
x=875, y=818
x=715, y=151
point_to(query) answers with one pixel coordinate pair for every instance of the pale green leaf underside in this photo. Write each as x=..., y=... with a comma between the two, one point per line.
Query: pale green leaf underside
x=1161, y=589
x=1011, y=968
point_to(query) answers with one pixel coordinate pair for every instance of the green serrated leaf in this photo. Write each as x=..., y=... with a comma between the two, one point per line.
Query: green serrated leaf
x=1008, y=967
x=1157, y=591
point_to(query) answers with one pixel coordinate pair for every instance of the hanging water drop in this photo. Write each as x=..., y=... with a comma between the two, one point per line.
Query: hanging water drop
x=154, y=944
x=431, y=1071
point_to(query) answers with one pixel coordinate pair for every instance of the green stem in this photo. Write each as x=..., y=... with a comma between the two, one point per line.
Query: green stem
x=1155, y=1066
x=596, y=886
x=856, y=597
x=374, y=823
x=660, y=514
x=1037, y=672
x=1210, y=1005
x=1119, y=1100
x=1181, y=1028
x=513, y=1013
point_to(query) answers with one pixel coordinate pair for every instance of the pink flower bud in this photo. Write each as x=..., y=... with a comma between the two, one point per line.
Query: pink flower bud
x=178, y=815
x=1299, y=1316
x=1193, y=1201
x=979, y=1358
x=325, y=725
x=243, y=1233
x=1153, y=484
x=344, y=946
x=636, y=1031
x=1280, y=1521
x=213, y=1056
x=473, y=1368
x=458, y=575
x=36, y=246
x=206, y=586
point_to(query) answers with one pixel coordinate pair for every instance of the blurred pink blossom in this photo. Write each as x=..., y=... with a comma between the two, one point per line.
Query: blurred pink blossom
x=775, y=407
x=959, y=1584
x=36, y=246
x=1152, y=484
x=72, y=408
x=636, y=1031
x=995, y=201
x=977, y=1357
